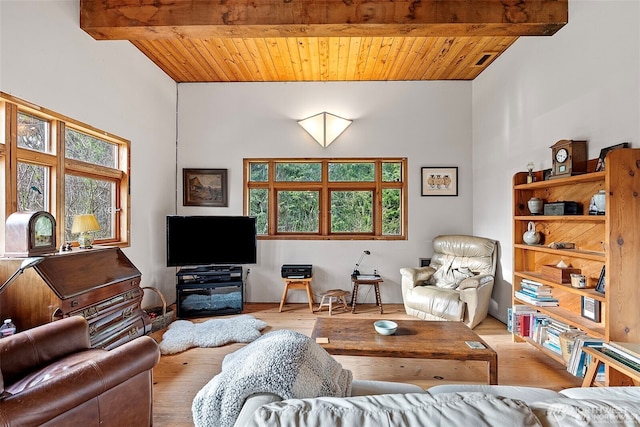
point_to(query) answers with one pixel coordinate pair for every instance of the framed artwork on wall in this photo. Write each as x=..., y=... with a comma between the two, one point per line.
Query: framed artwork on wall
x=600, y=287
x=439, y=181
x=603, y=153
x=204, y=187
x=591, y=309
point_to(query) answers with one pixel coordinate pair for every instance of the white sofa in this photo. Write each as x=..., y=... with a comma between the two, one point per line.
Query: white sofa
x=378, y=403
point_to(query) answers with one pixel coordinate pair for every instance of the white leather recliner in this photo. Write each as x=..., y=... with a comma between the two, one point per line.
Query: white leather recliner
x=457, y=284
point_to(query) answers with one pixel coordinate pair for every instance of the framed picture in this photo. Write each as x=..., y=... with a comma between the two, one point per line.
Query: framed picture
x=438, y=181
x=603, y=153
x=204, y=187
x=600, y=287
x=591, y=309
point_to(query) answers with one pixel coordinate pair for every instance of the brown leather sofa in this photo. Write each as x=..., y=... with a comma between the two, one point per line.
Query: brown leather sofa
x=50, y=375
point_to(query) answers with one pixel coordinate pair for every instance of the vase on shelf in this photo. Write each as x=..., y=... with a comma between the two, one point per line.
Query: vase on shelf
x=531, y=236
x=535, y=206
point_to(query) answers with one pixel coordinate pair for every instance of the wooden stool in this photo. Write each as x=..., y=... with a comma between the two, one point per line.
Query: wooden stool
x=375, y=282
x=340, y=298
x=303, y=284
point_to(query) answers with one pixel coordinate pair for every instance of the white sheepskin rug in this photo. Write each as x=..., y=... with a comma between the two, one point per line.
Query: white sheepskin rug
x=183, y=334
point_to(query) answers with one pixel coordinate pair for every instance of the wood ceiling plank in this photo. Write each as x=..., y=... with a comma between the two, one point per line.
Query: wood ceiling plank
x=291, y=45
x=363, y=54
x=395, y=48
x=404, y=59
x=382, y=57
x=306, y=58
x=354, y=49
x=219, y=72
x=225, y=59
x=344, y=49
x=152, y=19
x=149, y=48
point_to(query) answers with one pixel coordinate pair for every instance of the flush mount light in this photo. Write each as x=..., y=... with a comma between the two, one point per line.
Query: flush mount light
x=324, y=127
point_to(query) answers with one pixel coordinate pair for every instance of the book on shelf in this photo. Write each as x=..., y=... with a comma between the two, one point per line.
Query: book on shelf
x=534, y=286
x=578, y=360
x=535, y=293
x=620, y=358
x=552, y=302
x=626, y=349
x=517, y=316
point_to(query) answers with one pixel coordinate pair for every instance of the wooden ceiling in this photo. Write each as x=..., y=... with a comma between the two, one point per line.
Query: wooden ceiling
x=321, y=40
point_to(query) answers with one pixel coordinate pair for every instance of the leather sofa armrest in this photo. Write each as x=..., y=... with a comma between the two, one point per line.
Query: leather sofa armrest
x=475, y=281
x=417, y=275
x=34, y=348
x=77, y=379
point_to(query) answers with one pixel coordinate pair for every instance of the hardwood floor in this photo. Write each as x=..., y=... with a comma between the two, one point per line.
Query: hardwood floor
x=177, y=378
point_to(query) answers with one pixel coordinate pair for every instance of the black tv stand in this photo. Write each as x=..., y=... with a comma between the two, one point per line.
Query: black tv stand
x=209, y=291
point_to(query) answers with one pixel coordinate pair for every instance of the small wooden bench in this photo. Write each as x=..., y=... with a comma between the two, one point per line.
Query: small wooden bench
x=302, y=284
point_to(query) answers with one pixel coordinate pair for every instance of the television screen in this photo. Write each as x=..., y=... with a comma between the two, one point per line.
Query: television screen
x=210, y=240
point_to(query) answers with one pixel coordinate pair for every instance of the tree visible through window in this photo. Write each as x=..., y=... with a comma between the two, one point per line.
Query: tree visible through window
x=361, y=198
x=66, y=168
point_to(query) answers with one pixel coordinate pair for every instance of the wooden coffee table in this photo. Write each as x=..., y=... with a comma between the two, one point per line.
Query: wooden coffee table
x=418, y=339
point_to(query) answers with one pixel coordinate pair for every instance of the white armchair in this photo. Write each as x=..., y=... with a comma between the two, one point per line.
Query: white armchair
x=457, y=284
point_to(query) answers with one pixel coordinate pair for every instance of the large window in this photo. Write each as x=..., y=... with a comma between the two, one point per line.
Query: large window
x=56, y=164
x=362, y=198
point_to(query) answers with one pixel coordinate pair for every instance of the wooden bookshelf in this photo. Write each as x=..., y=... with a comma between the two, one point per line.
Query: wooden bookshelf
x=611, y=241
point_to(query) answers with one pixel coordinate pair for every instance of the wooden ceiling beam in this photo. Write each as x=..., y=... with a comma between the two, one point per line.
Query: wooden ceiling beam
x=203, y=19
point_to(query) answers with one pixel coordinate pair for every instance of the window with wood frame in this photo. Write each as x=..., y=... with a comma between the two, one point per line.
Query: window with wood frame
x=350, y=198
x=59, y=165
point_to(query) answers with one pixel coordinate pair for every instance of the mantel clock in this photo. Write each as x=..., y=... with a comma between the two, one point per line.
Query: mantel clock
x=568, y=158
x=30, y=233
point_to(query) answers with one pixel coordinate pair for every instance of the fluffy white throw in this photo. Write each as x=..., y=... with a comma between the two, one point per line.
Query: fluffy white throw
x=285, y=363
x=183, y=334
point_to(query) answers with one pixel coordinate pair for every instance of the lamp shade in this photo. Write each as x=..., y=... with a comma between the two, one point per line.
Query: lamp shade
x=84, y=223
x=324, y=127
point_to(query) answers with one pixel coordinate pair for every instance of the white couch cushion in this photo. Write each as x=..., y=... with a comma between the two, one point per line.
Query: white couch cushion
x=526, y=394
x=615, y=393
x=413, y=409
x=565, y=412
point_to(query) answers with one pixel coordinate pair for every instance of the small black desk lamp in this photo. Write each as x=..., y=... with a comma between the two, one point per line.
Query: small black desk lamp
x=356, y=272
x=27, y=263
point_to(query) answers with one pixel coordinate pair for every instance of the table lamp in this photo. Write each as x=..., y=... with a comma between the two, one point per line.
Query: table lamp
x=356, y=272
x=27, y=263
x=85, y=224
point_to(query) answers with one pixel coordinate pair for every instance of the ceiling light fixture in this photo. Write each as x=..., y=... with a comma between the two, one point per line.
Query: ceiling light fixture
x=324, y=127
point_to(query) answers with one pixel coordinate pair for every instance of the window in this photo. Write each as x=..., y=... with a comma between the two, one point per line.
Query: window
x=66, y=168
x=362, y=198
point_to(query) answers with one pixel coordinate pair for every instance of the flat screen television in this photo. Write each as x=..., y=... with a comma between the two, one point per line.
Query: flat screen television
x=211, y=240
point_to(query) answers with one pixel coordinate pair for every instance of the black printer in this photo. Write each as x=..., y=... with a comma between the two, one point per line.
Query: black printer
x=296, y=271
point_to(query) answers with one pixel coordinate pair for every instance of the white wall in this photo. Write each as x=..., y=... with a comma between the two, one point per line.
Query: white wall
x=46, y=59
x=427, y=122
x=581, y=83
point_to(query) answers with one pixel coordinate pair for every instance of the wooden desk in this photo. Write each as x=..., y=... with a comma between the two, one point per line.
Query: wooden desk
x=302, y=284
x=597, y=358
x=419, y=339
x=357, y=281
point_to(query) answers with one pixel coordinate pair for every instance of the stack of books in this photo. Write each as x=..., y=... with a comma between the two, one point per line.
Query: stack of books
x=624, y=352
x=536, y=294
x=550, y=339
x=578, y=361
x=521, y=319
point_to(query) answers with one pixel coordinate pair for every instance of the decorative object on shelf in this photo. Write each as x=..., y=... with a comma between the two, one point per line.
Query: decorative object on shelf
x=603, y=154
x=204, y=187
x=562, y=245
x=568, y=157
x=437, y=181
x=560, y=273
x=29, y=233
x=562, y=208
x=600, y=287
x=85, y=225
x=325, y=127
x=535, y=206
x=530, y=177
x=598, y=203
x=27, y=263
x=578, y=280
x=590, y=309
x=547, y=174
x=531, y=236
